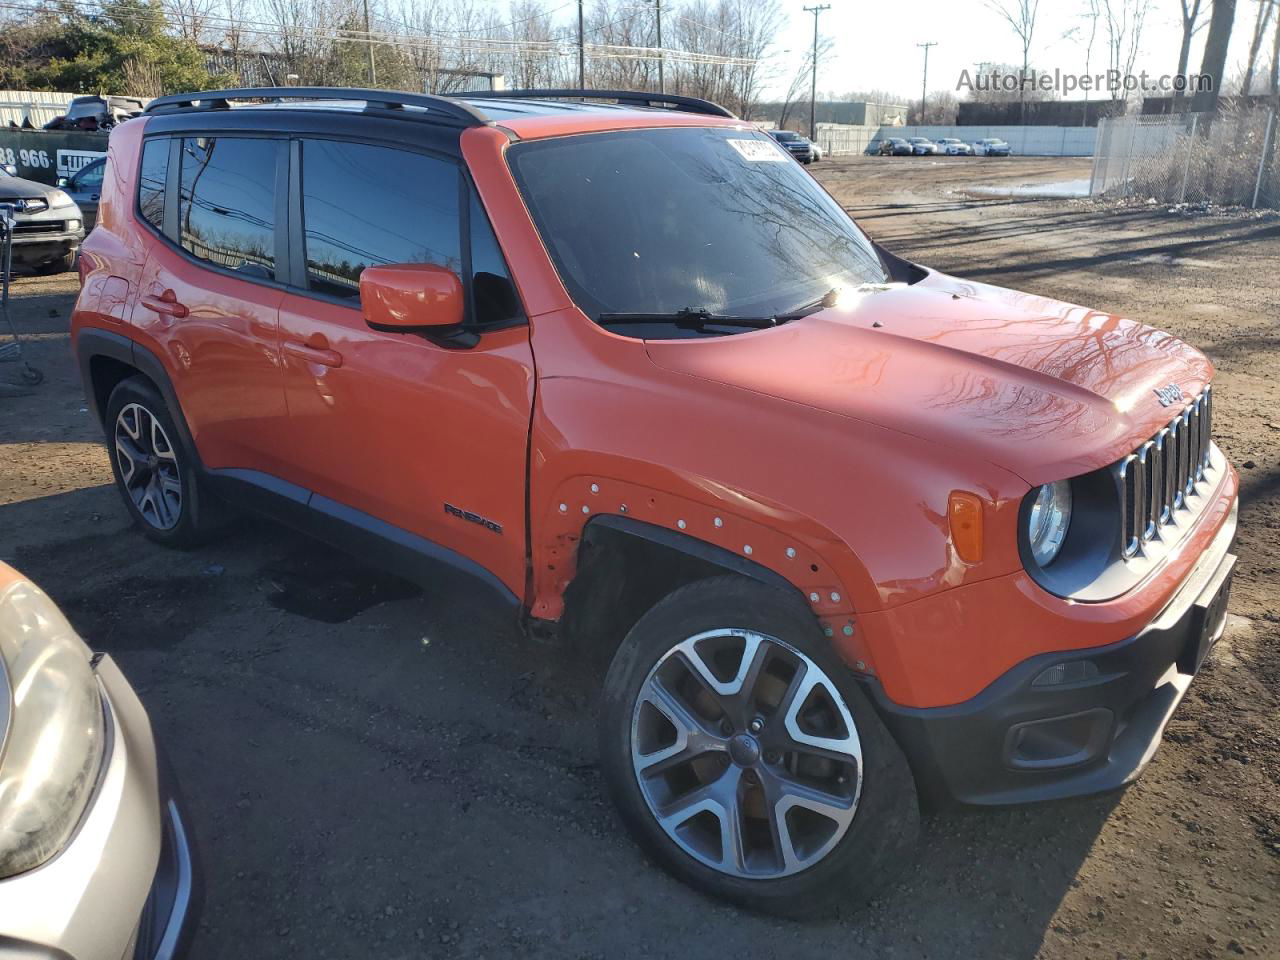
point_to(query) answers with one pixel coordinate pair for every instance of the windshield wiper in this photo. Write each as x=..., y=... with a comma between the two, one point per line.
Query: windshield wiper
x=825, y=301
x=687, y=319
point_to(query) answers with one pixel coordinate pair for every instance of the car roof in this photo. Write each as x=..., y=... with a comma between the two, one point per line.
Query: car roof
x=525, y=116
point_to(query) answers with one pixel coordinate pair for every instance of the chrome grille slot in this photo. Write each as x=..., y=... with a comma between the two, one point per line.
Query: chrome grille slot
x=1162, y=476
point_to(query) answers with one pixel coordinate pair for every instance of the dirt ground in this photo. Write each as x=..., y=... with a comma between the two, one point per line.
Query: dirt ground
x=377, y=770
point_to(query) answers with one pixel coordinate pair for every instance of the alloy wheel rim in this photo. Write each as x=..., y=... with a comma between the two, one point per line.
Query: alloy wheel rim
x=746, y=754
x=148, y=465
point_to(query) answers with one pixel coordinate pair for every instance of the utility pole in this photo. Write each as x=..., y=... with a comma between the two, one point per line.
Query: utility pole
x=813, y=83
x=373, y=72
x=924, y=85
x=582, y=52
x=662, y=82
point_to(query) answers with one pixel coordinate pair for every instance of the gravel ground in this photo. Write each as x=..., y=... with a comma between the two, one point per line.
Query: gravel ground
x=373, y=769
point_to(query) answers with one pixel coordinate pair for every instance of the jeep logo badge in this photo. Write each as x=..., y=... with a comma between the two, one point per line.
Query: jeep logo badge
x=1168, y=395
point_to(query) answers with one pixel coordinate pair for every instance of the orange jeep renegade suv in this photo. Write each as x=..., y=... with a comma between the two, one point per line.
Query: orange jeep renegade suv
x=852, y=529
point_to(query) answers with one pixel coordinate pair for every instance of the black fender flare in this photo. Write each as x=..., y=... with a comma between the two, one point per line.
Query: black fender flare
x=93, y=342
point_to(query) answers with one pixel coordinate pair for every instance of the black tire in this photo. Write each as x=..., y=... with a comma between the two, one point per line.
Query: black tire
x=198, y=514
x=885, y=821
x=62, y=264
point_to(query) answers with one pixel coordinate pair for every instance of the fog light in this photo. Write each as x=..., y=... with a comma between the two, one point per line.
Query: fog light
x=1070, y=671
x=1059, y=741
x=73, y=224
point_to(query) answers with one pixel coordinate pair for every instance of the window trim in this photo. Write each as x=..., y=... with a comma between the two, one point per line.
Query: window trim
x=171, y=232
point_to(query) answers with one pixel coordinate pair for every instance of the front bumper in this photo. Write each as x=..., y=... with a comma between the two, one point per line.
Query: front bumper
x=1019, y=741
x=124, y=887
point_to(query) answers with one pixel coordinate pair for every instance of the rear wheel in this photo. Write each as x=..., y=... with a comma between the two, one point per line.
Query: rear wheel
x=744, y=757
x=154, y=471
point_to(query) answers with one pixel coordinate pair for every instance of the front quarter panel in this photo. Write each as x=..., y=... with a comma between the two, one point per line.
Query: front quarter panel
x=863, y=508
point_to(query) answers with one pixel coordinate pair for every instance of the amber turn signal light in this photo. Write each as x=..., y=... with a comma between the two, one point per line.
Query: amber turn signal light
x=964, y=513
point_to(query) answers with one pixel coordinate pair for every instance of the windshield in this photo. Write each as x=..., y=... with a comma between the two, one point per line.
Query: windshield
x=785, y=135
x=697, y=218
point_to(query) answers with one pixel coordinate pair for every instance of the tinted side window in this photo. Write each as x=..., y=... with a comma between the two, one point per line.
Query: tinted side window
x=492, y=291
x=226, y=202
x=90, y=178
x=364, y=205
x=151, y=179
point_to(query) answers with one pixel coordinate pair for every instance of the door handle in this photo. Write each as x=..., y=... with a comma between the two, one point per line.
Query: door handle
x=321, y=355
x=166, y=304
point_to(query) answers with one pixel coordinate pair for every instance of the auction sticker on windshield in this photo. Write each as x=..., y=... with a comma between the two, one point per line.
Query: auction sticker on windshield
x=758, y=151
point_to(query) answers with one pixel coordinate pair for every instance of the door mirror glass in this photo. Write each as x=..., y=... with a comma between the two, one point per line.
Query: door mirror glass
x=408, y=296
x=63, y=182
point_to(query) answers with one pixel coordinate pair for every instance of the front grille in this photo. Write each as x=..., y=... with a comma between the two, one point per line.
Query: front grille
x=26, y=204
x=40, y=226
x=1163, y=475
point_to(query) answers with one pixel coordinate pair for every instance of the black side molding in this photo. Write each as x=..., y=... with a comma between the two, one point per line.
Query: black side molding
x=353, y=531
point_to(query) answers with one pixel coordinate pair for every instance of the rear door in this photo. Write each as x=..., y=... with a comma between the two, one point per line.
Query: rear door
x=425, y=433
x=209, y=298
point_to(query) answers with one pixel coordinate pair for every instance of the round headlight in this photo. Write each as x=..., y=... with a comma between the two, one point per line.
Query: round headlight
x=1048, y=522
x=51, y=725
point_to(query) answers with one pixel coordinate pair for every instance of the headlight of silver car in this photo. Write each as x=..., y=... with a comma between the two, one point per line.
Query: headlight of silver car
x=51, y=727
x=60, y=198
x=1048, y=521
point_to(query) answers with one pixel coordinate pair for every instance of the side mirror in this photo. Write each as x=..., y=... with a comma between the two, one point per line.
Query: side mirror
x=10, y=169
x=63, y=182
x=411, y=296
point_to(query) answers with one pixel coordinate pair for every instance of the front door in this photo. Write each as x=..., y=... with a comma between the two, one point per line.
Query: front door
x=426, y=435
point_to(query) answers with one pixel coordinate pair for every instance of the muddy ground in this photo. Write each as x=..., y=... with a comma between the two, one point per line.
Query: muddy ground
x=377, y=770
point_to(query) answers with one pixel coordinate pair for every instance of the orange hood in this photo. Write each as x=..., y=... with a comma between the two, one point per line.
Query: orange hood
x=1045, y=389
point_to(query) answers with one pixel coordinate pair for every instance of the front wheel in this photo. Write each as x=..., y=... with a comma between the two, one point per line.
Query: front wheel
x=744, y=757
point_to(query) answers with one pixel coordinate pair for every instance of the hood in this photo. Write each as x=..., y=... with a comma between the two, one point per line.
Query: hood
x=1045, y=389
x=14, y=187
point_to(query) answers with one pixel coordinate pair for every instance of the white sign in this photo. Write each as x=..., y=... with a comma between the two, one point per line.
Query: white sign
x=70, y=162
x=759, y=151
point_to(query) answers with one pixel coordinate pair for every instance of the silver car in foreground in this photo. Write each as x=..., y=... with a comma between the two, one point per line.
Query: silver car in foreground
x=48, y=228
x=94, y=856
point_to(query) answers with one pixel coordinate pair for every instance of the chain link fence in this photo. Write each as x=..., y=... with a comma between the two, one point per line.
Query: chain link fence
x=1228, y=158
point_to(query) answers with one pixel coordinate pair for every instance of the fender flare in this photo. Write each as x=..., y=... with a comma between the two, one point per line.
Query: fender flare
x=690, y=546
x=92, y=342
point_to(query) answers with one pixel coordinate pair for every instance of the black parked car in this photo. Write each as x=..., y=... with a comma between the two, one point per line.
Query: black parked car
x=799, y=147
x=895, y=147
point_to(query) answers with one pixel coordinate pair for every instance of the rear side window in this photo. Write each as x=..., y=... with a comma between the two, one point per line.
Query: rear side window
x=226, y=202
x=151, y=179
x=364, y=205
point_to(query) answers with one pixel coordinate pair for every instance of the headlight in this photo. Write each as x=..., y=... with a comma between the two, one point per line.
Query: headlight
x=1048, y=521
x=50, y=726
x=60, y=198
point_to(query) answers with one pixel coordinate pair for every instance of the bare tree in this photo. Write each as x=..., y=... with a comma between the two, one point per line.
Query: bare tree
x=1274, y=86
x=190, y=18
x=1020, y=15
x=1086, y=37
x=799, y=82
x=1124, y=19
x=1255, y=45
x=1191, y=24
x=1215, y=55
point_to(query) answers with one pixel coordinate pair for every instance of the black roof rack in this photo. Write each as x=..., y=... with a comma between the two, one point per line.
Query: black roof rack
x=438, y=108
x=630, y=97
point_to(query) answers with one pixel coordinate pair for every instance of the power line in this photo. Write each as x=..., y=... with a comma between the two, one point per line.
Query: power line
x=499, y=46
